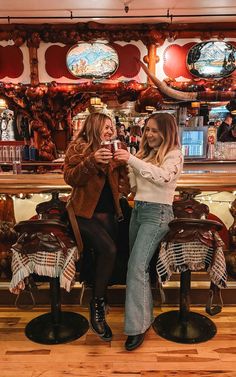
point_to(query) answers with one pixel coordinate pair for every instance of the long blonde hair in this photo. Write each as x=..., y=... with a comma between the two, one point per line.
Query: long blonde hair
x=168, y=130
x=91, y=130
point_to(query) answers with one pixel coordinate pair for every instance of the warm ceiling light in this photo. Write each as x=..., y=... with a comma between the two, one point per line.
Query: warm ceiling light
x=150, y=109
x=3, y=104
x=95, y=101
x=195, y=104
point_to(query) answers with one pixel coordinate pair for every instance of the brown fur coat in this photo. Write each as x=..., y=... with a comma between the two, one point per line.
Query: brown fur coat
x=87, y=178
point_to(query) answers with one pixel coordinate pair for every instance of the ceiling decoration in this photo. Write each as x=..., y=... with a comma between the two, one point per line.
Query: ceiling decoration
x=117, y=11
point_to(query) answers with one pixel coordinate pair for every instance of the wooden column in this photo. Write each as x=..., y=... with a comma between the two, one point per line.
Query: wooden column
x=151, y=59
x=33, y=45
x=155, y=40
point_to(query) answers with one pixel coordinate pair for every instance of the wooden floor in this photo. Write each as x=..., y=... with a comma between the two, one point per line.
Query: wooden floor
x=91, y=357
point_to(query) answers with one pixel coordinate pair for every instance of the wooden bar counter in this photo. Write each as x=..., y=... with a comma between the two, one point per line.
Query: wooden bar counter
x=204, y=175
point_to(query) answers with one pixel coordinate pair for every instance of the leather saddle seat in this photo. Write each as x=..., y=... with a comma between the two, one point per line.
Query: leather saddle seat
x=48, y=235
x=45, y=247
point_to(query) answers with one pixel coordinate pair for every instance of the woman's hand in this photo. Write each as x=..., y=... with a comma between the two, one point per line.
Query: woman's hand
x=103, y=156
x=121, y=155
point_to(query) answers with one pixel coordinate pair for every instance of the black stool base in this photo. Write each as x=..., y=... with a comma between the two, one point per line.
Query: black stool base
x=197, y=329
x=42, y=329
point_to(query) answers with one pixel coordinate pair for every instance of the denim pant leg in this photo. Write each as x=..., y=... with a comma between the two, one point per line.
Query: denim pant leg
x=153, y=222
x=134, y=226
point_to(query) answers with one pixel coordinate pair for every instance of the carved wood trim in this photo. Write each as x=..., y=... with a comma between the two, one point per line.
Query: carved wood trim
x=148, y=33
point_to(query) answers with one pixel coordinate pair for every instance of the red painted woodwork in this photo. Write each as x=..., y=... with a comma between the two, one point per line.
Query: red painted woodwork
x=55, y=57
x=128, y=57
x=175, y=57
x=11, y=62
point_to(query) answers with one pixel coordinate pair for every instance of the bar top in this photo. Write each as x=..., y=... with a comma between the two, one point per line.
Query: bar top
x=220, y=180
x=202, y=174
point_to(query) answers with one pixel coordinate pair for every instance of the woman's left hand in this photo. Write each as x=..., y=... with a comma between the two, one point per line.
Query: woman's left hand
x=121, y=155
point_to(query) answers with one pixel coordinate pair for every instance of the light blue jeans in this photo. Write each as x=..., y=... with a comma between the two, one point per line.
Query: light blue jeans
x=148, y=225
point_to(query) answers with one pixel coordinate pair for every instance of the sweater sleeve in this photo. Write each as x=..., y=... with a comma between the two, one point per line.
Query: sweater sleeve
x=124, y=184
x=132, y=179
x=166, y=173
x=78, y=168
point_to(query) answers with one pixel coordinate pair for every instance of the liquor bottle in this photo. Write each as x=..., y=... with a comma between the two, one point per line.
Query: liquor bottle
x=25, y=152
x=127, y=142
x=117, y=120
x=210, y=151
x=16, y=167
x=32, y=151
x=133, y=144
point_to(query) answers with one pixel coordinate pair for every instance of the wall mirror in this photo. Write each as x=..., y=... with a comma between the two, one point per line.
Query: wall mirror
x=212, y=59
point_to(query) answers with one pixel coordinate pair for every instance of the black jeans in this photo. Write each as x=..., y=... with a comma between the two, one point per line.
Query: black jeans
x=100, y=234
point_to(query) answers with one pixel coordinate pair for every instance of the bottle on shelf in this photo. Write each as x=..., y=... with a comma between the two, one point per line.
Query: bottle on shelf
x=25, y=152
x=211, y=141
x=134, y=145
x=5, y=153
x=210, y=151
x=16, y=167
x=32, y=151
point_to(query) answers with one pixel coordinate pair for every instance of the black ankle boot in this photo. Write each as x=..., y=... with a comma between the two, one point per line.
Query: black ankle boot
x=134, y=341
x=97, y=319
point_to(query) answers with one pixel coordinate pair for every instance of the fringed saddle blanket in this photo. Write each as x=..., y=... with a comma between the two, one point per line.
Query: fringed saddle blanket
x=194, y=256
x=52, y=264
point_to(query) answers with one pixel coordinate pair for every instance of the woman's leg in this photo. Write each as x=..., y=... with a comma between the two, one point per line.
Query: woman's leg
x=99, y=235
x=133, y=228
x=106, y=252
x=153, y=220
x=96, y=233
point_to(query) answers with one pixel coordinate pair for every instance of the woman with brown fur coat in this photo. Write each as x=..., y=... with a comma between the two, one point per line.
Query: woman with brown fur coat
x=97, y=182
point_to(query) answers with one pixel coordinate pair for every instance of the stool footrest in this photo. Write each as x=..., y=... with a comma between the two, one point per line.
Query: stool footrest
x=43, y=330
x=196, y=329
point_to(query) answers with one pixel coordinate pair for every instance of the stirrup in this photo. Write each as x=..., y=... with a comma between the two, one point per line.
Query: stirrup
x=25, y=299
x=214, y=292
x=82, y=293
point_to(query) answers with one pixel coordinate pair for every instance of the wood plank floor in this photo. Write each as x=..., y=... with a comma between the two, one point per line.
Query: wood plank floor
x=91, y=357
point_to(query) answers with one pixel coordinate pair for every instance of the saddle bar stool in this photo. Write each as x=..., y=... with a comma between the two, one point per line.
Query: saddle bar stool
x=184, y=326
x=57, y=326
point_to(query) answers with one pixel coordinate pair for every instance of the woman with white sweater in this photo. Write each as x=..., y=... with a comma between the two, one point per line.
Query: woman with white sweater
x=153, y=177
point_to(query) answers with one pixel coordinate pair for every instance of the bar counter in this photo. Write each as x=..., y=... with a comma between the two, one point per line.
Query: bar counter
x=204, y=175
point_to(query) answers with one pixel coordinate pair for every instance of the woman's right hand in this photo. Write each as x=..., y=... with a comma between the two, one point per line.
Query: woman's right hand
x=122, y=155
x=103, y=156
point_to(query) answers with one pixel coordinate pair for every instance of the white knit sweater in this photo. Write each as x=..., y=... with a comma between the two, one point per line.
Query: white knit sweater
x=154, y=183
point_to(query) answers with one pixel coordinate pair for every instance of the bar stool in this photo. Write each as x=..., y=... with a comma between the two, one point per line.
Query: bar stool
x=45, y=237
x=230, y=256
x=184, y=326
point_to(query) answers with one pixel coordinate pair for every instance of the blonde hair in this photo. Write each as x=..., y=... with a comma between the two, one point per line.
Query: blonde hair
x=168, y=130
x=91, y=130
